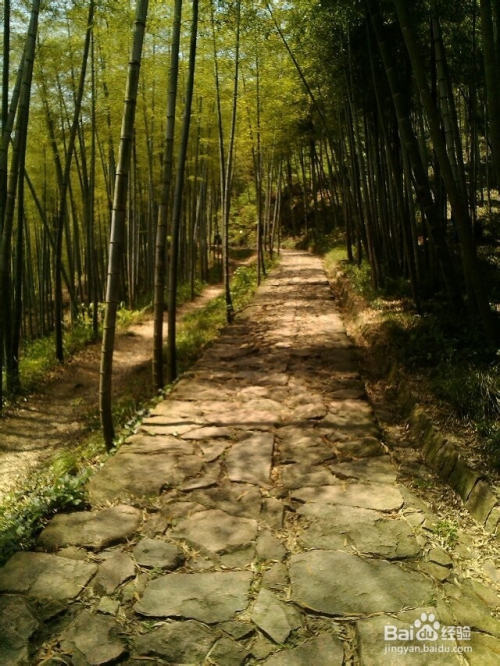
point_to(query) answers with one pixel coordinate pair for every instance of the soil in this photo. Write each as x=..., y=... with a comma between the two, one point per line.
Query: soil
x=65, y=407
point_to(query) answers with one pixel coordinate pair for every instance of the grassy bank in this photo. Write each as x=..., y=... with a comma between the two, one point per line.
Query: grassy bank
x=60, y=485
x=445, y=355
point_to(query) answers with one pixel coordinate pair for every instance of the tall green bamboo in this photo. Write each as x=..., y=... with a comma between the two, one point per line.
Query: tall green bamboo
x=18, y=148
x=163, y=209
x=117, y=236
x=177, y=204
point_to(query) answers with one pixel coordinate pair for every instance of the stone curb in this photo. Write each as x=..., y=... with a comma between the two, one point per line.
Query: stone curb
x=441, y=451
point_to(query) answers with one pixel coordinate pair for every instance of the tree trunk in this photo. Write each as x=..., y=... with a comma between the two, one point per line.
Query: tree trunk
x=118, y=224
x=61, y=220
x=491, y=70
x=458, y=203
x=161, y=232
x=410, y=142
x=177, y=204
x=19, y=146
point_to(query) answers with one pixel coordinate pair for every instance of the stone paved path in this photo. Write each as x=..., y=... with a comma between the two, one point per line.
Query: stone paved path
x=255, y=518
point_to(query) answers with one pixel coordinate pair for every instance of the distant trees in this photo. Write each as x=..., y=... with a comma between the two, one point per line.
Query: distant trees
x=377, y=119
x=81, y=224
x=397, y=109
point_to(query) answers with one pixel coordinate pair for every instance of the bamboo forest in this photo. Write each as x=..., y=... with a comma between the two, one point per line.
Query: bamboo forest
x=250, y=332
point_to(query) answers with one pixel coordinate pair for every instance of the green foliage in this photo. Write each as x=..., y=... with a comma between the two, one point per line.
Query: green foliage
x=359, y=276
x=243, y=285
x=474, y=393
x=81, y=332
x=490, y=434
x=24, y=512
x=447, y=532
x=184, y=291
x=126, y=317
x=60, y=486
x=37, y=358
x=201, y=326
x=322, y=244
x=418, y=341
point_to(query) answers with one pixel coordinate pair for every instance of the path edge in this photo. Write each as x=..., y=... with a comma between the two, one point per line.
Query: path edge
x=441, y=451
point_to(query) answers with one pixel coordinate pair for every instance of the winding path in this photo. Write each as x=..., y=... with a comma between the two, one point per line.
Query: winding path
x=59, y=413
x=257, y=517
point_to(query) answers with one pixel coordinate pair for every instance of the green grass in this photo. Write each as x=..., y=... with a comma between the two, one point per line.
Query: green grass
x=61, y=484
x=446, y=532
x=59, y=487
x=38, y=359
x=202, y=326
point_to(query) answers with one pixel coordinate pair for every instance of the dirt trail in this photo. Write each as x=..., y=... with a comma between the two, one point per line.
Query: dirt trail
x=58, y=414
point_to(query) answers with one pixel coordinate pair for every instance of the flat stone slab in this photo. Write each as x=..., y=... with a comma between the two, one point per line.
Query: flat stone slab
x=174, y=511
x=302, y=445
x=17, y=625
x=264, y=378
x=276, y=578
x=169, y=412
x=158, y=554
x=114, y=571
x=227, y=652
x=207, y=479
x=199, y=390
x=207, y=432
x=332, y=527
x=91, y=529
x=147, y=445
x=216, y=531
x=174, y=430
x=367, y=447
x=212, y=450
x=467, y=610
x=312, y=410
x=268, y=547
x=379, y=497
x=252, y=392
x=243, y=417
x=208, y=597
x=324, y=649
x=237, y=499
x=372, y=646
x=374, y=470
x=138, y=475
x=485, y=650
x=274, y=617
x=349, y=419
x=298, y=476
x=177, y=643
x=352, y=410
x=250, y=460
x=272, y=512
x=93, y=639
x=264, y=404
x=45, y=576
x=338, y=583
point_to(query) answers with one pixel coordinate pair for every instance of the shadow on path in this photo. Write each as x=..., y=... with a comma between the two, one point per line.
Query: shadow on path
x=256, y=517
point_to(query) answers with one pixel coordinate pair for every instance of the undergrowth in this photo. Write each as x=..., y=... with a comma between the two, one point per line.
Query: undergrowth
x=61, y=485
x=462, y=371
